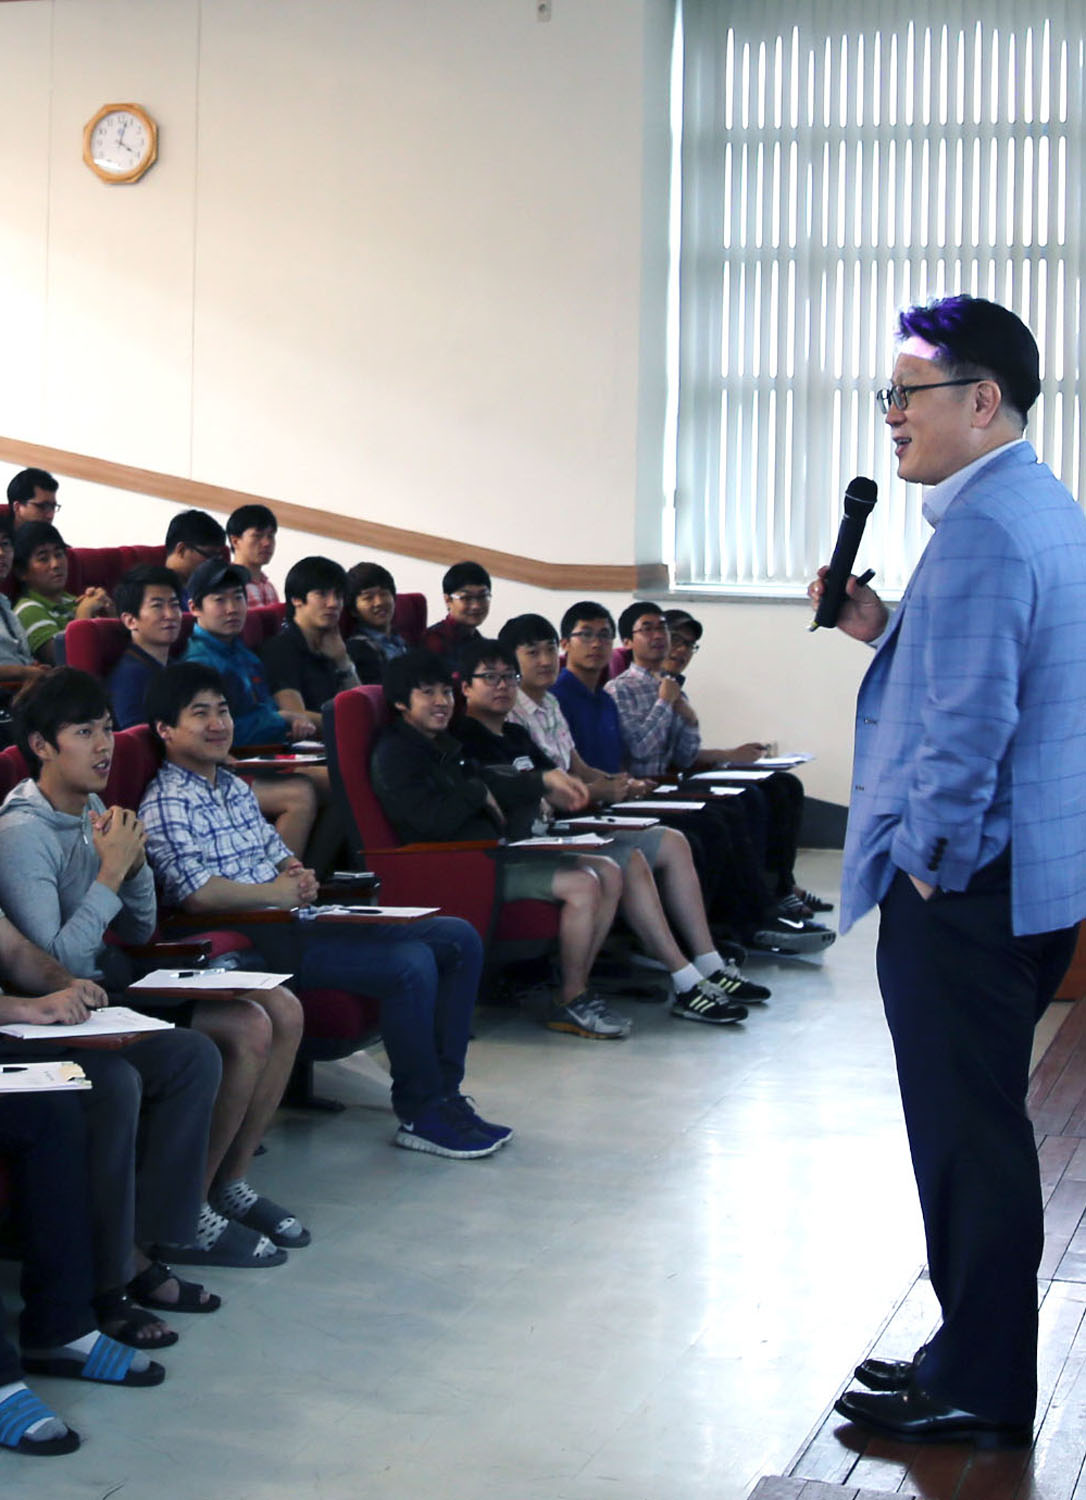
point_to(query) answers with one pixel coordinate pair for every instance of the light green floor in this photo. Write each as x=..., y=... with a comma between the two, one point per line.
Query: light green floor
x=652, y=1294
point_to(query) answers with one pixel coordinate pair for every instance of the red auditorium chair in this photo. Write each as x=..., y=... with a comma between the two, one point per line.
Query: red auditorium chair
x=409, y=618
x=461, y=878
x=261, y=623
x=104, y=567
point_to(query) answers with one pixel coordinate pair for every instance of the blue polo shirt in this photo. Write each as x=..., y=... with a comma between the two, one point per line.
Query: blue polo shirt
x=593, y=722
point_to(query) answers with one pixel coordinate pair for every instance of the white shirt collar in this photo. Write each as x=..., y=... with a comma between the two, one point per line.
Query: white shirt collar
x=937, y=497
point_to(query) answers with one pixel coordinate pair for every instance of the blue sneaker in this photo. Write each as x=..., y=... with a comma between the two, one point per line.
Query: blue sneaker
x=466, y=1105
x=442, y=1130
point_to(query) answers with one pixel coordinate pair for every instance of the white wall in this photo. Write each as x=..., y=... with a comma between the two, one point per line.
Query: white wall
x=403, y=259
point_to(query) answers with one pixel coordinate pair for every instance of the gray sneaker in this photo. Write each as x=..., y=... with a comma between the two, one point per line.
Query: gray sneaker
x=589, y=1015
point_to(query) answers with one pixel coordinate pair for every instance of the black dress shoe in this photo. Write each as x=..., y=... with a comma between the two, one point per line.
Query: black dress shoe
x=912, y=1416
x=885, y=1374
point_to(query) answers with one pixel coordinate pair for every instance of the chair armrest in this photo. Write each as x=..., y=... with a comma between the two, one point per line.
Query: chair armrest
x=465, y=846
x=349, y=884
x=193, y=952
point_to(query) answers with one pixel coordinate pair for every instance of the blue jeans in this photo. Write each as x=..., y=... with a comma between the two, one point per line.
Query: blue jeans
x=425, y=974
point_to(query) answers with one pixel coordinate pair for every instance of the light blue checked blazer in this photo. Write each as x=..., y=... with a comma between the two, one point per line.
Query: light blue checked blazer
x=971, y=720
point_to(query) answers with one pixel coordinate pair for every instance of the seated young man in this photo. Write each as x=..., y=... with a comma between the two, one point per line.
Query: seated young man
x=211, y=849
x=466, y=587
x=307, y=662
x=704, y=988
x=370, y=592
x=217, y=591
x=43, y=1140
x=427, y=794
x=32, y=496
x=666, y=849
x=16, y=658
x=155, y=1094
x=725, y=853
x=44, y=606
x=783, y=792
x=660, y=730
x=148, y=601
x=192, y=537
x=250, y=531
x=73, y=871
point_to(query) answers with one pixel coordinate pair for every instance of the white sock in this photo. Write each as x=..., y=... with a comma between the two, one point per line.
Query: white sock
x=233, y=1198
x=709, y=963
x=209, y=1227
x=686, y=978
x=83, y=1346
x=48, y=1427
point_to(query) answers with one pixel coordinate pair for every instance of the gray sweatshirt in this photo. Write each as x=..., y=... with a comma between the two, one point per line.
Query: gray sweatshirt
x=49, y=887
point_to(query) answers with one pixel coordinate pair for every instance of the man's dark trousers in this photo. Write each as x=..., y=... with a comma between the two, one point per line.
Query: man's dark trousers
x=962, y=997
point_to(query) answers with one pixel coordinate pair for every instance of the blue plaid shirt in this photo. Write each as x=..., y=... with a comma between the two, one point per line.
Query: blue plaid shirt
x=656, y=737
x=196, y=831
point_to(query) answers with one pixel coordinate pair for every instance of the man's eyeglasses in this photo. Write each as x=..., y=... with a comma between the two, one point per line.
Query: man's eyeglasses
x=683, y=643
x=605, y=637
x=482, y=596
x=496, y=679
x=657, y=627
x=898, y=395
x=51, y=506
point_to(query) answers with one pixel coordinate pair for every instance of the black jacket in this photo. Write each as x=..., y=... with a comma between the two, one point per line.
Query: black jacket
x=432, y=790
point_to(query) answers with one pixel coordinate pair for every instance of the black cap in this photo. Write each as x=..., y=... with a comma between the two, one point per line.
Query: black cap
x=681, y=617
x=213, y=574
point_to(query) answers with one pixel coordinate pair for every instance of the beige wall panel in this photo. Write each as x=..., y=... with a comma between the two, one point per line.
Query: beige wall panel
x=25, y=124
x=120, y=256
x=418, y=267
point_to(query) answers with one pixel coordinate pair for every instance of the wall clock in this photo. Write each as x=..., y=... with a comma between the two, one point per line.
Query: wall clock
x=120, y=142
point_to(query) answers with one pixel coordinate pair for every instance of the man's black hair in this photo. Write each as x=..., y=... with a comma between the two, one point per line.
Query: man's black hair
x=411, y=670
x=526, y=630
x=7, y=525
x=21, y=488
x=194, y=528
x=35, y=534
x=49, y=703
x=584, y=609
x=480, y=651
x=250, y=517
x=465, y=574
x=632, y=613
x=364, y=576
x=172, y=690
x=978, y=337
x=129, y=592
x=309, y=574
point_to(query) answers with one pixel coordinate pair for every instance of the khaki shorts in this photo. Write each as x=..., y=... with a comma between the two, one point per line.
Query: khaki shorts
x=528, y=876
x=622, y=845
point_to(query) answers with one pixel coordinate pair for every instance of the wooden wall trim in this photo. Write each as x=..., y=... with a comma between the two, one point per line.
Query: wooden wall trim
x=581, y=578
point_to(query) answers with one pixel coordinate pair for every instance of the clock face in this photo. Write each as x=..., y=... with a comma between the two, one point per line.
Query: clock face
x=120, y=143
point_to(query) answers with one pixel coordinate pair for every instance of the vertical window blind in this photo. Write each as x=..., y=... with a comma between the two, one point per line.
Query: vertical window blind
x=834, y=167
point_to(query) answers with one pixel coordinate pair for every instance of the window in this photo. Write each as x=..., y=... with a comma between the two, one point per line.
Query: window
x=827, y=179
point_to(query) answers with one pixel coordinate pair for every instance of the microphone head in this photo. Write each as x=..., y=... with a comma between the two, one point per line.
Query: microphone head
x=860, y=496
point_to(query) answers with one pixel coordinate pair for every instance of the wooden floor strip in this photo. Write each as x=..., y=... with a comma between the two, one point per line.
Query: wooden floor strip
x=843, y=1464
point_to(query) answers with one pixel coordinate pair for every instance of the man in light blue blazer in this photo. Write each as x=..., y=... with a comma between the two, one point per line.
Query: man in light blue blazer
x=967, y=827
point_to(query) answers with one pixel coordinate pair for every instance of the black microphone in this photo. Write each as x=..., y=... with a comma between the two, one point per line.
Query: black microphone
x=860, y=500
